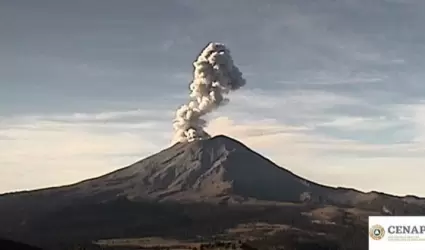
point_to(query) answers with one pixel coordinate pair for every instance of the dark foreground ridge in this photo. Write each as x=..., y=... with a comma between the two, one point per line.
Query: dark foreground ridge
x=12, y=245
x=207, y=188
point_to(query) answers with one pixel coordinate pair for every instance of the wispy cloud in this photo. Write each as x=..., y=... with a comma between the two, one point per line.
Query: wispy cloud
x=415, y=115
x=43, y=151
x=358, y=123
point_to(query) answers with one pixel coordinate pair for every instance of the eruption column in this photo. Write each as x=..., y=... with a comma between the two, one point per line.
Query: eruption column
x=214, y=76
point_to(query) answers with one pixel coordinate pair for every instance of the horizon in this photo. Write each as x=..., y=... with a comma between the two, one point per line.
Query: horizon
x=333, y=91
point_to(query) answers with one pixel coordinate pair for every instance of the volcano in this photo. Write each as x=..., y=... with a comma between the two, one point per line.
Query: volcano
x=219, y=169
x=203, y=187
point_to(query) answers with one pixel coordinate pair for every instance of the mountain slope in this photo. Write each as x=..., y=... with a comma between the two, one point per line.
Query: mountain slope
x=218, y=168
x=182, y=190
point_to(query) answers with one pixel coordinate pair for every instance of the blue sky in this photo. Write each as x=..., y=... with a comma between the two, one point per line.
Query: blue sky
x=334, y=88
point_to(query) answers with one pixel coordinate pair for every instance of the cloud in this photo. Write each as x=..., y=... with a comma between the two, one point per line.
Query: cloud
x=264, y=134
x=275, y=136
x=358, y=123
x=56, y=150
x=415, y=115
x=297, y=106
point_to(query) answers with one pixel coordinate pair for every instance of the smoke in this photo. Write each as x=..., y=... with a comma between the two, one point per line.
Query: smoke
x=214, y=76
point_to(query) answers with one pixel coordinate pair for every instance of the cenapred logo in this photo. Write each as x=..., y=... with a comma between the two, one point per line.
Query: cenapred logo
x=376, y=232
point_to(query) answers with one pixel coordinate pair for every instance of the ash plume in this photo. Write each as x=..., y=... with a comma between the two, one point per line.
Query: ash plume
x=214, y=76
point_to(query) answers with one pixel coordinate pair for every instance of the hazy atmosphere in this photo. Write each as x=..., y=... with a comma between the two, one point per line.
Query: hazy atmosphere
x=334, y=89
